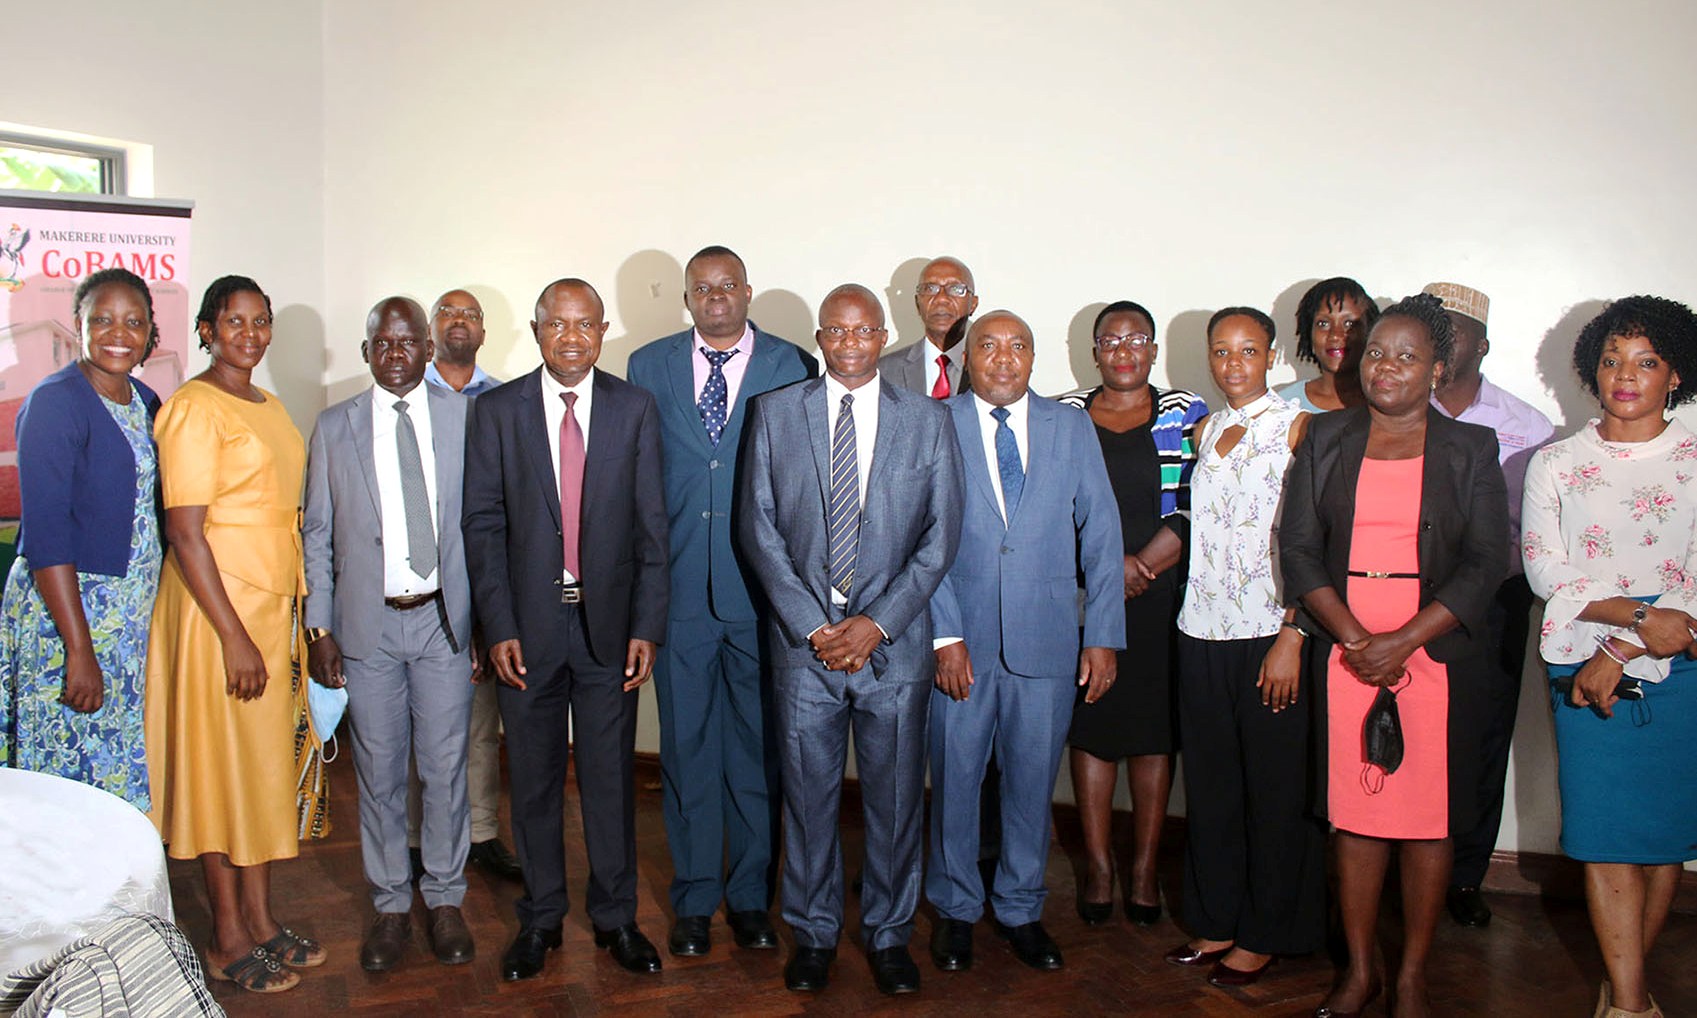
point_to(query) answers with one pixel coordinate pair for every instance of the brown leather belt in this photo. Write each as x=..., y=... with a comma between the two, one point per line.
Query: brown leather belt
x=407, y=604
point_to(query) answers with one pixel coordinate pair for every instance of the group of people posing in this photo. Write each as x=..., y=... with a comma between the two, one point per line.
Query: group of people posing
x=1321, y=594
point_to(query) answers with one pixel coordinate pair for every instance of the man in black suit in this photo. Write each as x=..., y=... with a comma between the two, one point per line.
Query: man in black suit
x=573, y=607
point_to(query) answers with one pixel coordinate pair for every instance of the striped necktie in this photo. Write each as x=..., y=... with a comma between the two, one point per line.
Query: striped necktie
x=843, y=516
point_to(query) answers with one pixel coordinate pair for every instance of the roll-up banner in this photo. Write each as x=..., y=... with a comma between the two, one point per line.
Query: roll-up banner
x=48, y=243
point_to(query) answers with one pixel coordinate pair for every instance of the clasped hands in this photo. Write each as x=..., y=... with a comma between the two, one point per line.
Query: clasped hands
x=846, y=646
x=1378, y=658
x=1664, y=633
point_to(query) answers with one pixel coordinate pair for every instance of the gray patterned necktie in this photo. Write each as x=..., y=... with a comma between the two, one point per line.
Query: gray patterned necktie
x=415, y=497
x=842, y=518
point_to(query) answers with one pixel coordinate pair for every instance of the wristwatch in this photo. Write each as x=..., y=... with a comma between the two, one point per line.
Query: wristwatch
x=1639, y=614
x=314, y=634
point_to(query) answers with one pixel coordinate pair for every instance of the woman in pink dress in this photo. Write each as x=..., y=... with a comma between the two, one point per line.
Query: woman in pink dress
x=1394, y=537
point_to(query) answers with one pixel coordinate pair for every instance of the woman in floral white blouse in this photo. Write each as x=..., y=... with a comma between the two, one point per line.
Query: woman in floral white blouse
x=1610, y=541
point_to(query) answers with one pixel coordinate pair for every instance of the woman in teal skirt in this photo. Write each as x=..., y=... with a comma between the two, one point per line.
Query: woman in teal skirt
x=73, y=637
x=1607, y=539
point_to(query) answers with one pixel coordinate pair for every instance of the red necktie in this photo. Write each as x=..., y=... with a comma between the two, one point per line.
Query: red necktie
x=941, y=389
x=571, y=483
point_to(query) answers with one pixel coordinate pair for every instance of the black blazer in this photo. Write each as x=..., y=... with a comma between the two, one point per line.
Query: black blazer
x=511, y=521
x=1463, y=544
x=1463, y=552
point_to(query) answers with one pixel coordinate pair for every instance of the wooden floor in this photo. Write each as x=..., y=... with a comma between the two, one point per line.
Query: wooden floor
x=1537, y=958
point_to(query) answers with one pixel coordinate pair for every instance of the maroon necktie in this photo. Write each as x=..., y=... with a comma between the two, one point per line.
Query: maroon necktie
x=941, y=389
x=571, y=483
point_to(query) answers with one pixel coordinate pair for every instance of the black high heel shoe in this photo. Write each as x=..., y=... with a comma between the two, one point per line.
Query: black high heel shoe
x=1094, y=913
x=1142, y=915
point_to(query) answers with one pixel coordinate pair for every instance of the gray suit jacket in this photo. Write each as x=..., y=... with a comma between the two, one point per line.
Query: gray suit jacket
x=906, y=367
x=342, y=528
x=909, y=529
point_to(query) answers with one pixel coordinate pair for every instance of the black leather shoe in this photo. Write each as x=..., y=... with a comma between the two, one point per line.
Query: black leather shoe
x=894, y=971
x=809, y=969
x=449, y=936
x=387, y=941
x=690, y=937
x=630, y=948
x=524, y=959
x=951, y=945
x=1467, y=906
x=493, y=856
x=752, y=929
x=1032, y=945
x=1142, y=915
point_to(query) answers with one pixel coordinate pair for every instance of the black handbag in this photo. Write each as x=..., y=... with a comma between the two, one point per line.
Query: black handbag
x=1382, y=733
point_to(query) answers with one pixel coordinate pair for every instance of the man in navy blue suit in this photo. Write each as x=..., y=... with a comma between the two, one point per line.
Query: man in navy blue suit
x=1038, y=509
x=717, y=765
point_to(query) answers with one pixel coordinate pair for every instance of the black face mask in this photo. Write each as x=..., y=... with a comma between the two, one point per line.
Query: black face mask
x=1382, y=731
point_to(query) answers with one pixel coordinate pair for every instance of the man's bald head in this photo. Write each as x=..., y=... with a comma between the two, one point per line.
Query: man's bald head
x=851, y=334
x=397, y=344
x=569, y=283
x=456, y=327
x=944, y=296
x=1000, y=354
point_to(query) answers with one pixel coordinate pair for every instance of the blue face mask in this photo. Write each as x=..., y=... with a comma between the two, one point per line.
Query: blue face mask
x=327, y=706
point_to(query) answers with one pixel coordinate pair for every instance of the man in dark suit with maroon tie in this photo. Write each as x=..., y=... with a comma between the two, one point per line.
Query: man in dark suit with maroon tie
x=565, y=536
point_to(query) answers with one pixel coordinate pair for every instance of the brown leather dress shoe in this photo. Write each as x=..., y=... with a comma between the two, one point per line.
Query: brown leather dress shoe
x=386, y=942
x=449, y=937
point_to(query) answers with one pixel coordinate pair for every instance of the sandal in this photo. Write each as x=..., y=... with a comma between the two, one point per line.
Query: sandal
x=257, y=972
x=296, y=951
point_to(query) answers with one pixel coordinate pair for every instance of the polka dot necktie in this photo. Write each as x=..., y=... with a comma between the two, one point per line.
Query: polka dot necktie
x=1007, y=462
x=713, y=405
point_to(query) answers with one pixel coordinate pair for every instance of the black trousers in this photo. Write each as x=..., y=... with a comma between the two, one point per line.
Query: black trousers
x=1509, y=622
x=603, y=736
x=1255, y=869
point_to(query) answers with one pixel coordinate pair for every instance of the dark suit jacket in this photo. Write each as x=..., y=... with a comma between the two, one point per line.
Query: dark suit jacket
x=909, y=530
x=707, y=577
x=1463, y=553
x=906, y=367
x=76, y=476
x=512, y=520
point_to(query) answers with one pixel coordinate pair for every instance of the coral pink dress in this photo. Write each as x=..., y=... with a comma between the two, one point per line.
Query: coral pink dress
x=1413, y=803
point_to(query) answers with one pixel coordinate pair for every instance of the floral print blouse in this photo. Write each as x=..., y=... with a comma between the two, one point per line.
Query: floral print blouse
x=1607, y=519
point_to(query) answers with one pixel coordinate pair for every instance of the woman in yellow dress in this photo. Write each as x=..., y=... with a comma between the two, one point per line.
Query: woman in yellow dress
x=221, y=714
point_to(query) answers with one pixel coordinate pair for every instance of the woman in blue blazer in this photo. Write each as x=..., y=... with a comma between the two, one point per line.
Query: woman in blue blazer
x=73, y=642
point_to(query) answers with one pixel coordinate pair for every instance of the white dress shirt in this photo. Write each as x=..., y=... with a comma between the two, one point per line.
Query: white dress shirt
x=399, y=580
x=1019, y=414
x=865, y=412
x=553, y=412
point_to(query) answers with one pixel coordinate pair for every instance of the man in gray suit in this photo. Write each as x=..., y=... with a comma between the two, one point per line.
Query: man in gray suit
x=937, y=365
x=849, y=515
x=388, y=612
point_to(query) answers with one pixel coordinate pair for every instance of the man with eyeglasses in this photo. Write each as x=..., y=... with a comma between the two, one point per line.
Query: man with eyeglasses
x=937, y=366
x=388, y=614
x=456, y=332
x=849, y=515
x=718, y=767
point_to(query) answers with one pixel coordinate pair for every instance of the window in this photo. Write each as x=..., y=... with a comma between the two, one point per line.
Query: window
x=40, y=164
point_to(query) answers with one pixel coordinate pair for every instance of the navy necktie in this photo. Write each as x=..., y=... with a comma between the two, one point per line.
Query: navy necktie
x=714, y=404
x=842, y=518
x=1007, y=462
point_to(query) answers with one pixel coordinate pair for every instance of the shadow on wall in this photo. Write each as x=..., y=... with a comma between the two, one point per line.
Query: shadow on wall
x=509, y=350
x=783, y=314
x=1283, y=312
x=1555, y=367
x=297, y=364
x=898, y=297
x=1184, y=349
x=649, y=295
x=1081, y=347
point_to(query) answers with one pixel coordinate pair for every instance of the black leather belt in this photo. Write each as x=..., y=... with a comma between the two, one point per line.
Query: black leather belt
x=571, y=593
x=1373, y=575
x=407, y=604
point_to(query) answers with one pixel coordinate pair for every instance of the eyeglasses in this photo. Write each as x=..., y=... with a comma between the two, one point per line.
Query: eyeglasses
x=469, y=314
x=1109, y=342
x=952, y=289
x=858, y=332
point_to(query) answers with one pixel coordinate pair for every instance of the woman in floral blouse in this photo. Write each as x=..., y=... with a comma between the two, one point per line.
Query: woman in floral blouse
x=1610, y=542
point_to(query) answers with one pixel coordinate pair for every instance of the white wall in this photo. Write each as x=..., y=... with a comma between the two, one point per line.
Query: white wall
x=230, y=96
x=1188, y=156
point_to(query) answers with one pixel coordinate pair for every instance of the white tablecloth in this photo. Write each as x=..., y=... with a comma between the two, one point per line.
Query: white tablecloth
x=72, y=857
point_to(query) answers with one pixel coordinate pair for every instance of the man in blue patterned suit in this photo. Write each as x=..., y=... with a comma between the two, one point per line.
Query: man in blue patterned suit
x=717, y=763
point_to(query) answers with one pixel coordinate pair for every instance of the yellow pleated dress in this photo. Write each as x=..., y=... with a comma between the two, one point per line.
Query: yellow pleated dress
x=222, y=770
